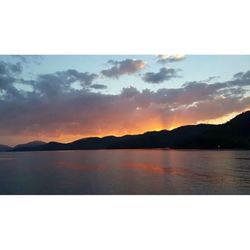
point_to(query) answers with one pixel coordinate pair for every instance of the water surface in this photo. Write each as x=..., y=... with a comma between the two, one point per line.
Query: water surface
x=125, y=172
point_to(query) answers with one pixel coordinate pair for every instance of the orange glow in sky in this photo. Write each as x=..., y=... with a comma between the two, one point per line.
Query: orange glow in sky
x=138, y=127
x=153, y=125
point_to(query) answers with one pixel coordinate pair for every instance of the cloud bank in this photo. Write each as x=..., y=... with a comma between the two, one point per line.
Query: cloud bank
x=51, y=108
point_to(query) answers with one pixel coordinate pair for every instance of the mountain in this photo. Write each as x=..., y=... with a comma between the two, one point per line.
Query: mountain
x=4, y=148
x=234, y=134
x=28, y=146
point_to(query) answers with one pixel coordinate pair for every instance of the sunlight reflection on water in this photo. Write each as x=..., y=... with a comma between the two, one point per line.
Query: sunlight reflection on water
x=125, y=172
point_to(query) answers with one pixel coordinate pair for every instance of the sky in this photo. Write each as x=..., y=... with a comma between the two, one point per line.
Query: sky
x=64, y=98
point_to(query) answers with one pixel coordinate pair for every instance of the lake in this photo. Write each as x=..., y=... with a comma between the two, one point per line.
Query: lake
x=125, y=172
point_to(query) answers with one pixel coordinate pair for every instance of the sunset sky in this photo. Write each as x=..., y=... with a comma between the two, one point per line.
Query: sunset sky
x=64, y=98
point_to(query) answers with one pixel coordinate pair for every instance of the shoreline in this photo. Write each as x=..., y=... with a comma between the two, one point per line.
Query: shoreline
x=116, y=149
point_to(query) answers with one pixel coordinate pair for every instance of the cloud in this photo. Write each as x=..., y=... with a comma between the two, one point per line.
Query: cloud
x=211, y=79
x=48, y=85
x=98, y=86
x=51, y=85
x=164, y=74
x=53, y=109
x=125, y=67
x=26, y=59
x=8, y=74
x=129, y=92
x=242, y=76
x=72, y=75
x=163, y=59
x=10, y=69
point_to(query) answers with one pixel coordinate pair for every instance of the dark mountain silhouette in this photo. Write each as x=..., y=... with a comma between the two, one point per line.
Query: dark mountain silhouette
x=4, y=148
x=28, y=146
x=234, y=134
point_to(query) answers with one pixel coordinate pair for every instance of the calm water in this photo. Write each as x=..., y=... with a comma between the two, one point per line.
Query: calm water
x=125, y=172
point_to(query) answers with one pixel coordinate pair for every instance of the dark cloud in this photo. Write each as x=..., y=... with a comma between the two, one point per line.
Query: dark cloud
x=129, y=92
x=10, y=69
x=52, y=85
x=5, y=82
x=124, y=67
x=48, y=85
x=8, y=74
x=98, y=86
x=73, y=75
x=242, y=75
x=163, y=59
x=164, y=74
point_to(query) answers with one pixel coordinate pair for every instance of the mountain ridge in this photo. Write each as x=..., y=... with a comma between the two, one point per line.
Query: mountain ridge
x=234, y=134
x=4, y=148
x=29, y=145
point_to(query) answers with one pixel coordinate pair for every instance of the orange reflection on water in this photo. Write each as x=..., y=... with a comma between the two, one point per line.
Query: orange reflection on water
x=183, y=172
x=153, y=168
x=214, y=178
